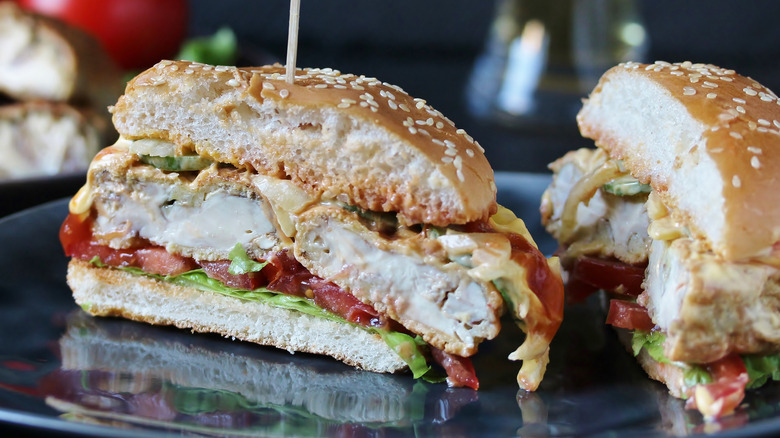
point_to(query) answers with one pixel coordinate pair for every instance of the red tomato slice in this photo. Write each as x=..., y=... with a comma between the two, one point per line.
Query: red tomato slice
x=609, y=275
x=726, y=392
x=219, y=271
x=156, y=260
x=628, y=315
x=460, y=370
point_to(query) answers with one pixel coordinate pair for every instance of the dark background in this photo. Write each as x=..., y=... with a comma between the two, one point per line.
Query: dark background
x=428, y=48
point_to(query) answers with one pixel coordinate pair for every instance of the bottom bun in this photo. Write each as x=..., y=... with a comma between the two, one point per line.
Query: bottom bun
x=668, y=374
x=113, y=292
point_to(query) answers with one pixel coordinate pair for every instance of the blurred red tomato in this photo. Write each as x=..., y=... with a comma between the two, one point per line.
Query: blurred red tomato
x=137, y=33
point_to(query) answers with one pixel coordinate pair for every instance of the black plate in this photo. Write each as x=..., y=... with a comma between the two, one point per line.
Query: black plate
x=171, y=382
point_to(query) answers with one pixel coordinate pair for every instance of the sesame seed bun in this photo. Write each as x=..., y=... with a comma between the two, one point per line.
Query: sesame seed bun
x=339, y=136
x=705, y=138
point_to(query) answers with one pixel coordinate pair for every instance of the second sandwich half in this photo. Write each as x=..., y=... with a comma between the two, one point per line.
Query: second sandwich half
x=336, y=215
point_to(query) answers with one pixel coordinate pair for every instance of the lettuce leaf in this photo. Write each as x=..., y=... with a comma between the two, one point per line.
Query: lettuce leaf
x=761, y=368
x=653, y=342
x=240, y=263
x=407, y=347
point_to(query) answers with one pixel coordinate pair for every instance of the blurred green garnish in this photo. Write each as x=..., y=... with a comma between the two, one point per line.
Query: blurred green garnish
x=220, y=48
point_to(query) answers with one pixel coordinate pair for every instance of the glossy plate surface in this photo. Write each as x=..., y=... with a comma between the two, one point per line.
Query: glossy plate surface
x=62, y=371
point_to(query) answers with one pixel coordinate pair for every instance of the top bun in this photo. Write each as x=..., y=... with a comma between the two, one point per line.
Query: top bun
x=340, y=136
x=705, y=138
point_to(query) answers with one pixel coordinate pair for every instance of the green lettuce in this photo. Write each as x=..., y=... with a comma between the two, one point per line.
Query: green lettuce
x=760, y=368
x=407, y=347
x=240, y=263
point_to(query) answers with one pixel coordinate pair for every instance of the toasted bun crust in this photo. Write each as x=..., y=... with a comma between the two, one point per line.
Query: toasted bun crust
x=111, y=292
x=46, y=59
x=337, y=135
x=705, y=138
x=668, y=374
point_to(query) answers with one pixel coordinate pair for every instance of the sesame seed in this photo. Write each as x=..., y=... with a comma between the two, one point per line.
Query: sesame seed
x=349, y=101
x=233, y=83
x=735, y=181
x=688, y=91
x=754, y=150
x=447, y=160
x=763, y=122
x=404, y=107
x=749, y=91
x=481, y=149
x=429, y=122
x=736, y=135
x=740, y=109
x=343, y=105
x=284, y=93
x=423, y=131
x=391, y=95
x=220, y=68
x=373, y=109
x=451, y=152
x=458, y=162
x=711, y=95
x=677, y=73
x=364, y=104
x=174, y=68
x=420, y=122
x=439, y=125
x=738, y=100
x=708, y=84
x=358, y=87
x=449, y=144
x=189, y=71
x=459, y=173
x=755, y=163
x=469, y=152
x=268, y=86
x=340, y=86
x=392, y=105
x=438, y=142
x=776, y=123
x=165, y=63
x=413, y=130
x=725, y=78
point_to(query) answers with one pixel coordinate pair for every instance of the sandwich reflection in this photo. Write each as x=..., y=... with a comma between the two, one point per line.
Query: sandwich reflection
x=125, y=374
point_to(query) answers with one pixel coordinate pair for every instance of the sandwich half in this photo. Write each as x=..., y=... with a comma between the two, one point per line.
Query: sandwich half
x=336, y=215
x=676, y=215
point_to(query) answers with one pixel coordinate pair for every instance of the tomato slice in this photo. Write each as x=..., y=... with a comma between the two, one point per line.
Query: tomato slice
x=219, y=271
x=606, y=274
x=725, y=393
x=629, y=315
x=460, y=370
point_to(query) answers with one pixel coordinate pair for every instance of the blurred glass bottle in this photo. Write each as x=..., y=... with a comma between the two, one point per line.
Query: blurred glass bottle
x=543, y=56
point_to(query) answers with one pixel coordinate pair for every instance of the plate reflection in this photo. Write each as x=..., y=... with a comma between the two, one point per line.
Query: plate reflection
x=130, y=375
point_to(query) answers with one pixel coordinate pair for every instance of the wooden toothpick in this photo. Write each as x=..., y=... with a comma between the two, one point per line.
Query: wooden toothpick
x=292, y=39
